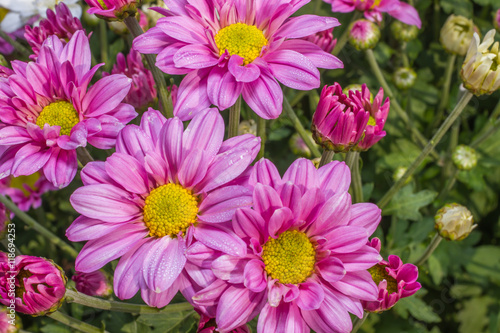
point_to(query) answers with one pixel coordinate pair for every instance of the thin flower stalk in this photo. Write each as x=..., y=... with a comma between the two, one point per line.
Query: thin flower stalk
x=75, y=323
x=300, y=128
x=261, y=133
x=445, y=93
x=430, y=249
x=234, y=118
x=326, y=157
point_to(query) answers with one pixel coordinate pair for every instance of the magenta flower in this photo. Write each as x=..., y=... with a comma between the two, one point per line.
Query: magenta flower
x=7, y=319
x=166, y=193
x=113, y=9
x=40, y=284
x=234, y=48
x=26, y=191
x=378, y=115
x=339, y=121
x=307, y=258
x=395, y=280
x=92, y=284
x=61, y=23
x=208, y=325
x=143, y=92
x=324, y=39
x=48, y=111
x=373, y=9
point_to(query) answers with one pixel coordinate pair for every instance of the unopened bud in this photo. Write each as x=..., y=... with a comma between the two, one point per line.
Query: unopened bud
x=247, y=127
x=404, y=32
x=454, y=222
x=404, y=78
x=456, y=34
x=364, y=34
x=464, y=157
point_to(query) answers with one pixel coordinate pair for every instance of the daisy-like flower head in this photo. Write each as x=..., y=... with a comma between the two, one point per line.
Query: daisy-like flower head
x=373, y=9
x=164, y=194
x=40, y=284
x=378, y=109
x=48, y=111
x=237, y=47
x=26, y=191
x=481, y=68
x=395, y=280
x=307, y=259
x=339, y=121
x=113, y=10
x=60, y=23
x=92, y=284
x=143, y=92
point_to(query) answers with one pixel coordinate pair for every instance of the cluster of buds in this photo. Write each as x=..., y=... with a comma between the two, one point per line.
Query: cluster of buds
x=454, y=222
x=60, y=23
x=113, y=10
x=363, y=34
x=464, y=157
x=456, y=34
x=394, y=279
x=481, y=71
x=343, y=123
x=33, y=285
x=323, y=39
x=404, y=32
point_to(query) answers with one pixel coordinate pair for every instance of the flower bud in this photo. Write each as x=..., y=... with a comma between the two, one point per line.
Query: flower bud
x=247, y=127
x=364, y=34
x=481, y=71
x=496, y=20
x=324, y=39
x=404, y=32
x=119, y=28
x=92, y=284
x=353, y=87
x=113, y=10
x=40, y=284
x=298, y=146
x=456, y=34
x=454, y=222
x=404, y=78
x=464, y=157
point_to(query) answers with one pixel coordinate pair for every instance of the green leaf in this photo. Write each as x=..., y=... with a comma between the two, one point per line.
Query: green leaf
x=486, y=263
x=178, y=322
x=435, y=270
x=417, y=308
x=367, y=191
x=458, y=7
x=406, y=204
x=473, y=316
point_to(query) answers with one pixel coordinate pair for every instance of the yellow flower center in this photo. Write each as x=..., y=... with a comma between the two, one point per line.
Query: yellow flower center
x=241, y=39
x=290, y=258
x=60, y=113
x=3, y=13
x=372, y=121
x=379, y=273
x=19, y=182
x=103, y=5
x=170, y=209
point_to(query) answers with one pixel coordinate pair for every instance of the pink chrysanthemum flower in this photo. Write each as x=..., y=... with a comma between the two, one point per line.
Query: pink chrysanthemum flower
x=373, y=9
x=26, y=191
x=61, y=23
x=113, y=9
x=40, y=284
x=143, y=92
x=307, y=258
x=163, y=190
x=324, y=39
x=395, y=280
x=237, y=47
x=92, y=284
x=339, y=121
x=48, y=111
x=378, y=109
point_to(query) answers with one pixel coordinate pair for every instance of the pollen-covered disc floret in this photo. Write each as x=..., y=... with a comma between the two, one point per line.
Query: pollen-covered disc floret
x=379, y=274
x=241, y=39
x=290, y=258
x=169, y=209
x=60, y=113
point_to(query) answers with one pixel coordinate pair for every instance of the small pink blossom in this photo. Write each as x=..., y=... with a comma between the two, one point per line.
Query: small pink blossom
x=113, y=9
x=324, y=39
x=92, y=284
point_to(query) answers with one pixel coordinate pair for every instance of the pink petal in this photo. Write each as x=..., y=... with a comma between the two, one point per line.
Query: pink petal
x=266, y=173
x=359, y=285
x=12, y=135
x=195, y=56
x=282, y=319
x=133, y=141
x=406, y=14
x=29, y=159
x=346, y=239
x=160, y=299
x=331, y=269
x=334, y=177
x=237, y=306
x=249, y=223
x=280, y=221
x=311, y=296
x=192, y=95
x=305, y=25
x=229, y=268
x=313, y=52
x=220, y=204
x=205, y=132
x=264, y=96
x=95, y=173
x=366, y=215
x=302, y=173
x=221, y=239
x=193, y=168
x=254, y=276
x=77, y=51
x=223, y=89
x=183, y=29
x=61, y=167
x=84, y=229
x=128, y=172
x=105, y=95
x=266, y=200
x=171, y=143
x=336, y=211
x=151, y=42
x=330, y=317
x=242, y=73
x=293, y=69
x=364, y=258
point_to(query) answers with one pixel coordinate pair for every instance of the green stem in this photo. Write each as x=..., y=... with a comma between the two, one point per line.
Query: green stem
x=103, y=39
x=345, y=35
x=99, y=303
x=445, y=94
x=455, y=131
x=326, y=157
x=430, y=248
x=298, y=96
x=357, y=323
x=428, y=148
x=234, y=118
x=357, y=185
x=448, y=186
x=83, y=155
x=261, y=132
x=370, y=56
x=38, y=227
x=300, y=129
x=317, y=7
x=404, y=55
x=165, y=99
x=18, y=46
x=486, y=134
x=75, y=323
